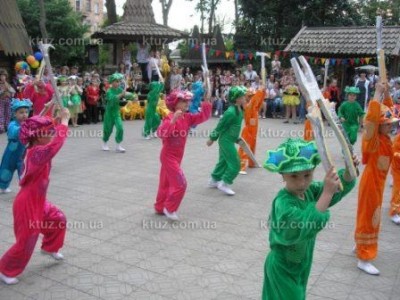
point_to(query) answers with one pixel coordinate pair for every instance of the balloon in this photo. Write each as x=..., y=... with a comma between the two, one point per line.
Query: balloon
x=38, y=56
x=18, y=66
x=30, y=59
x=35, y=64
x=24, y=65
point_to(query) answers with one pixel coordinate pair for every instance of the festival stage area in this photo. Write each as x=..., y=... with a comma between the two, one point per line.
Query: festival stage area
x=117, y=248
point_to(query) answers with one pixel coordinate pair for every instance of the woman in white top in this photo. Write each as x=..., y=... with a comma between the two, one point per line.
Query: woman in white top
x=151, y=67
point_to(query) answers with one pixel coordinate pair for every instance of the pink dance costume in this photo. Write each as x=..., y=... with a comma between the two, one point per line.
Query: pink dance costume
x=172, y=186
x=33, y=214
x=39, y=98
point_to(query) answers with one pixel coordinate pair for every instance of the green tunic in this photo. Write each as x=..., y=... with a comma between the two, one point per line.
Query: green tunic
x=351, y=112
x=294, y=224
x=112, y=116
x=151, y=118
x=227, y=133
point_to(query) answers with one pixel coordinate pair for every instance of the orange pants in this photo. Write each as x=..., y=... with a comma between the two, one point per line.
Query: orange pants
x=249, y=134
x=308, y=132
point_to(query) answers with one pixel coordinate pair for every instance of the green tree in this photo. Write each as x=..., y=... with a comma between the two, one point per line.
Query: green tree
x=271, y=24
x=207, y=7
x=65, y=29
x=388, y=9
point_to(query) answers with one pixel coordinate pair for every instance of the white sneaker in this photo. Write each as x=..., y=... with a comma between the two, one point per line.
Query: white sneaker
x=5, y=191
x=367, y=267
x=243, y=172
x=172, y=216
x=396, y=219
x=55, y=255
x=212, y=183
x=216, y=114
x=147, y=137
x=105, y=147
x=155, y=135
x=8, y=280
x=222, y=186
x=119, y=149
x=220, y=116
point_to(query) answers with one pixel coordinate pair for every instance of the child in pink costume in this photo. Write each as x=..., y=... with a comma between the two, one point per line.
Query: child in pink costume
x=39, y=93
x=174, y=131
x=33, y=214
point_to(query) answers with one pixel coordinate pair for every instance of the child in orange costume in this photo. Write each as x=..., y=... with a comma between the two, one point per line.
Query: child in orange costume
x=377, y=154
x=249, y=132
x=308, y=131
x=394, y=211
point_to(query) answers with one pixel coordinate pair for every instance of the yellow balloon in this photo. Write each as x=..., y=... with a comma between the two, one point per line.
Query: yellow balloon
x=35, y=64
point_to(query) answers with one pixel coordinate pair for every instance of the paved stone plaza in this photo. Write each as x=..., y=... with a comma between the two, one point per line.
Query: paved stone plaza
x=117, y=248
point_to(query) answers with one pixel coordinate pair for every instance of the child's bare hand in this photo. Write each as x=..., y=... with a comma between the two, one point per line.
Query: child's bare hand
x=177, y=115
x=356, y=160
x=210, y=142
x=331, y=182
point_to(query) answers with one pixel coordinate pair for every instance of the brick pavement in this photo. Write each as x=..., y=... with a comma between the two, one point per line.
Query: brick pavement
x=117, y=248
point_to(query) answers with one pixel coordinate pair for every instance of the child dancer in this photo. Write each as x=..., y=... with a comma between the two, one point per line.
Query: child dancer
x=33, y=214
x=6, y=93
x=92, y=99
x=173, y=132
x=76, y=106
x=227, y=133
x=112, y=115
x=351, y=113
x=291, y=99
x=299, y=212
x=377, y=155
x=394, y=211
x=64, y=91
x=12, y=157
x=39, y=93
x=249, y=132
x=151, y=118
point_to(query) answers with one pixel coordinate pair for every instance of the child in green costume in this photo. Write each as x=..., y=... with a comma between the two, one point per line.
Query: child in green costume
x=151, y=117
x=299, y=212
x=227, y=133
x=112, y=115
x=351, y=113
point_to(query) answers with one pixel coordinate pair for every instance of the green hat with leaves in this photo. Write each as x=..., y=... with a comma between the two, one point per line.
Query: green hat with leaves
x=129, y=96
x=115, y=77
x=236, y=92
x=293, y=155
x=62, y=79
x=352, y=90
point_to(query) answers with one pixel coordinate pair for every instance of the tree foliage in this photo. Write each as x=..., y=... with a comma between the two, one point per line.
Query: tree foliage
x=207, y=8
x=111, y=12
x=271, y=24
x=64, y=26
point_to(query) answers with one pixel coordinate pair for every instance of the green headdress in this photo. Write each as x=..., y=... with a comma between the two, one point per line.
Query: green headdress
x=115, y=77
x=62, y=79
x=293, y=155
x=129, y=96
x=352, y=90
x=236, y=92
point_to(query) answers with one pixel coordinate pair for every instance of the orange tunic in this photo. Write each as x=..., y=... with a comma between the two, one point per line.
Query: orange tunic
x=308, y=131
x=249, y=132
x=377, y=155
x=395, y=202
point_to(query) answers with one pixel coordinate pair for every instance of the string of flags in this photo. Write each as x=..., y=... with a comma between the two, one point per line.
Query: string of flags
x=250, y=55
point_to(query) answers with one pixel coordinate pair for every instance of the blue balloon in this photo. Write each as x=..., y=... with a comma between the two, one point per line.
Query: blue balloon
x=38, y=55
